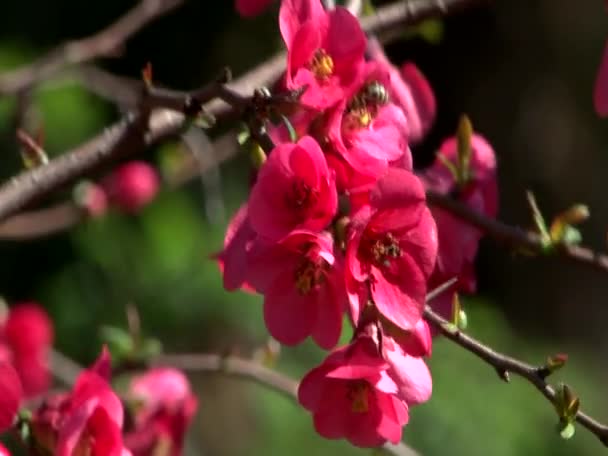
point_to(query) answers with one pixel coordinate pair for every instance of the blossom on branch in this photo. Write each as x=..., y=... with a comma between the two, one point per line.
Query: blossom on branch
x=87, y=420
x=132, y=186
x=163, y=407
x=325, y=50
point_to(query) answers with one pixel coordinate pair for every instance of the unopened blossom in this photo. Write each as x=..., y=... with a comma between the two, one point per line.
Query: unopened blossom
x=303, y=287
x=325, y=50
x=391, y=250
x=409, y=90
x=351, y=395
x=251, y=8
x=27, y=336
x=295, y=189
x=459, y=240
x=87, y=420
x=163, y=409
x=11, y=394
x=132, y=186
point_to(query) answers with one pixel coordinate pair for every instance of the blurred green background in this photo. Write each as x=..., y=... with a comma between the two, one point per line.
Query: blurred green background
x=522, y=70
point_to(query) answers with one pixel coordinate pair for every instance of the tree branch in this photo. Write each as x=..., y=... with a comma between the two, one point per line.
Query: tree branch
x=505, y=365
x=514, y=236
x=103, y=44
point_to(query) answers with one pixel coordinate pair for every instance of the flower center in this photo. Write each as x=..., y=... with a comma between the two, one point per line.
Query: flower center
x=309, y=275
x=321, y=64
x=302, y=196
x=382, y=250
x=358, y=395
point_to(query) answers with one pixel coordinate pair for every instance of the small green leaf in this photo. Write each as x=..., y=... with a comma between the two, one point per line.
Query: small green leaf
x=293, y=135
x=566, y=430
x=119, y=341
x=464, y=135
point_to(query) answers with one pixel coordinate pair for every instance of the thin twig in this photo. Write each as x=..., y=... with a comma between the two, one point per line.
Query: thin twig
x=505, y=365
x=514, y=236
x=105, y=43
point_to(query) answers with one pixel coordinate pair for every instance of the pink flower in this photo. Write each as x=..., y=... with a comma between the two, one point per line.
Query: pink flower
x=237, y=243
x=391, y=250
x=11, y=395
x=88, y=420
x=294, y=190
x=251, y=8
x=351, y=395
x=132, y=186
x=458, y=240
x=408, y=370
x=319, y=57
x=302, y=283
x=165, y=407
x=367, y=130
x=410, y=91
x=28, y=335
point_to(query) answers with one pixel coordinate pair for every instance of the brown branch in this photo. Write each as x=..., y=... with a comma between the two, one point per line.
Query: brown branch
x=514, y=236
x=103, y=44
x=506, y=365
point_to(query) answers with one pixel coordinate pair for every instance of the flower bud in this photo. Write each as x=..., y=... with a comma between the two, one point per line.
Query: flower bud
x=132, y=186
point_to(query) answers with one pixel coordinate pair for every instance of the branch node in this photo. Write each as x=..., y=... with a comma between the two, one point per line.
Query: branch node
x=503, y=374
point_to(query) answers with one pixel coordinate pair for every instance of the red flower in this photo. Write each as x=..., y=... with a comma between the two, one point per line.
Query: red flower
x=368, y=131
x=87, y=420
x=165, y=407
x=295, y=189
x=391, y=250
x=458, y=240
x=319, y=56
x=28, y=335
x=251, y=8
x=11, y=395
x=132, y=186
x=352, y=396
x=303, y=289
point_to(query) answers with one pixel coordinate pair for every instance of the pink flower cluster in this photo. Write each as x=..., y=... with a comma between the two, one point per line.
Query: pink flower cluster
x=89, y=419
x=337, y=223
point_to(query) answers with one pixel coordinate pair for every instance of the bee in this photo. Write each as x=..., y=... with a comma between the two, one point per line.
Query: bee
x=375, y=94
x=372, y=95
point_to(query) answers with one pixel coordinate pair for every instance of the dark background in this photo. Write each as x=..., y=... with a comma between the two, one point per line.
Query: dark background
x=522, y=70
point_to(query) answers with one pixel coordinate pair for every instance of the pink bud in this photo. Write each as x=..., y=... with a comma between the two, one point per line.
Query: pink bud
x=92, y=198
x=132, y=186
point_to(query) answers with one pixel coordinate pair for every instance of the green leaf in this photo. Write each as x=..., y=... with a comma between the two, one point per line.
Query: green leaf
x=566, y=430
x=119, y=341
x=293, y=135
